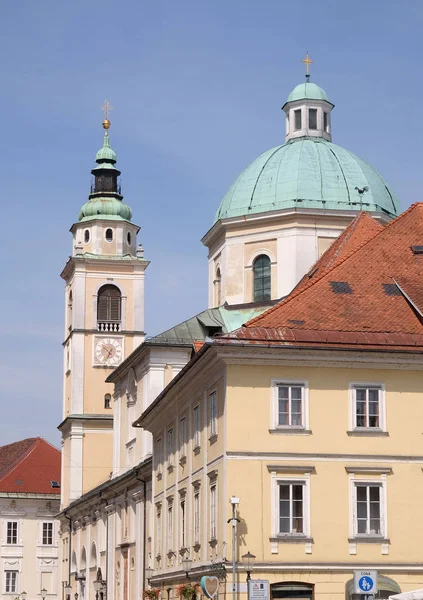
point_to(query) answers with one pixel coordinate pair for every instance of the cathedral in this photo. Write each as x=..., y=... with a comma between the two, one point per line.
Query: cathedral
x=145, y=497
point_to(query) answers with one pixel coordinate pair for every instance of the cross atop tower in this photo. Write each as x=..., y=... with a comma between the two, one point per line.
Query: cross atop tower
x=106, y=108
x=307, y=60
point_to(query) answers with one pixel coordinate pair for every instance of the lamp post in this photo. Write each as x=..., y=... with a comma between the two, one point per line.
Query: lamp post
x=23, y=595
x=148, y=574
x=68, y=591
x=43, y=593
x=248, y=562
x=97, y=587
x=186, y=565
x=76, y=595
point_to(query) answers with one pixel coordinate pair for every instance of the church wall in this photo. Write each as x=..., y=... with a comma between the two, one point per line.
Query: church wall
x=97, y=459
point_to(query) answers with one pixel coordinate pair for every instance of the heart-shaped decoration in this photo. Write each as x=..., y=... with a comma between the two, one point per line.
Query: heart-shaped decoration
x=209, y=585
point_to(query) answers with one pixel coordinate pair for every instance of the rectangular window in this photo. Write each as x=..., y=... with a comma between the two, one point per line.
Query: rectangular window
x=197, y=518
x=11, y=586
x=182, y=437
x=12, y=533
x=325, y=122
x=183, y=524
x=312, y=118
x=196, y=426
x=368, y=517
x=297, y=117
x=170, y=528
x=159, y=532
x=291, y=508
x=213, y=414
x=367, y=406
x=170, y=447
x=159, y=448
x=47, y=534
x=213, y=511
x=290, y=405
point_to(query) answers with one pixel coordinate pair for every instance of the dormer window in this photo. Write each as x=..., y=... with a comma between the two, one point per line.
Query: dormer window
x=297, y=117
x=312, y=118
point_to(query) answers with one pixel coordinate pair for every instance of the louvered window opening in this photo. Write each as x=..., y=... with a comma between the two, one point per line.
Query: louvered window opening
x=109, y=308
x=262, y=278
x=105, y=183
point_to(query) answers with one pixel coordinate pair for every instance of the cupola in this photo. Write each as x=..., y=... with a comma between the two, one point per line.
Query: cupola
x=308, y=110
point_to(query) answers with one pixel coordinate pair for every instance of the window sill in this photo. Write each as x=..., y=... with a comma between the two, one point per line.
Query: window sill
x=292, y=539
x=370, y=539
x=213, y=438
x=197, y=450
x=182, y=460
x=368, y=432
x=290, y=431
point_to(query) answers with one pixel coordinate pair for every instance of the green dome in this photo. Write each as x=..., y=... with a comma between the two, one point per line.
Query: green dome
x=106, y=153
x=309, y=173
x=105, y=208
x=309, y=91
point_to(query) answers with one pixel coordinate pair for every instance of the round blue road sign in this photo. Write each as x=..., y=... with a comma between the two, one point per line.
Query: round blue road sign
x=365, y=583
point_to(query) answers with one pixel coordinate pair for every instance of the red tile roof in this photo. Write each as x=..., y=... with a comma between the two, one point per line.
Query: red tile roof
x=373, y=313
x=29, y=466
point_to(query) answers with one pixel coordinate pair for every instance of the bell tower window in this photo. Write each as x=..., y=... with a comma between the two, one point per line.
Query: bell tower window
x=109, y=235
x=325, y=122
x=262, y=278
x=86, y=236
x=109, y=303
x=218, y=288
x=312, y=118
x=107, y=401
x=297, y=117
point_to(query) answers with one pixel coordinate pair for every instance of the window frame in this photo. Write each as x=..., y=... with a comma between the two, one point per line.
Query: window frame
x=159, y=454
x=183, y=522
x=315, y=113
x=275, y=384
x=182, y=437
x=159, y=515
x=49, y=525
x=381, y=483
x=13, y=535
x=253, y=266
x=196, y=517
x=196, y=424
x=169, y=446
x=353, y=386
x=15, y=579
x=170, y=521
x=213, y=511
x=277, y=481
x=105, y=235
x=212, y=414
x=298, y=111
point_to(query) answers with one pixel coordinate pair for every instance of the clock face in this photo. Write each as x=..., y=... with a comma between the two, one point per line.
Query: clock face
x=108, y=351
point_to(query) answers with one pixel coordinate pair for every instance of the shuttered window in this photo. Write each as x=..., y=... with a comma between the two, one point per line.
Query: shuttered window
x=109, y=304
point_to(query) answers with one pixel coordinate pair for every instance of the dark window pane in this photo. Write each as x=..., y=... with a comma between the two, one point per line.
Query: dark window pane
x=325, y=121
x=374, y=494
x=375, y=526
x=262, y=280
x=362, y=510
x=284, y=525
x=312, y=118
x=297, y=114
x=284, y=492
x=361, y=526
x=361, y=493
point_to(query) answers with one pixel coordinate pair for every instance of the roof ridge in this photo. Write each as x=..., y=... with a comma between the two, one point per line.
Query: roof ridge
x=22, y=457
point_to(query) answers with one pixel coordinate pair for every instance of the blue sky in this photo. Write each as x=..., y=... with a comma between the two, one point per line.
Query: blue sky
x=197, y=88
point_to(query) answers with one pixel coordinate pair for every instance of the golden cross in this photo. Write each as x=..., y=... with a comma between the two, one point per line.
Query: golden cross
x=307, y=60
x=106, y=108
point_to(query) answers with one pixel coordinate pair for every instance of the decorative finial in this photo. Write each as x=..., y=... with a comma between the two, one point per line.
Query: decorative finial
x=106, y=108
x=307, y=60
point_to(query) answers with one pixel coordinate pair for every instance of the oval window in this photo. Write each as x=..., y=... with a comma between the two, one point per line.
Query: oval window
x=128, y=237
x=86, y=236
x=109, y=235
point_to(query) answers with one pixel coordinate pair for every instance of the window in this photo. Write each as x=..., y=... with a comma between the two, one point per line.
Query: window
x=197, y=517
x=182, y=437
x=107, y=401
x=291, y=508
x=47, y=534
x=183, y=524
x=159, y=455
x=12, y=532
x=109, y=235
x=297, y=117
x=368, y=509
x=262, y=278
x=312, y=118
x=86, y=236
x=170, y=527
x=170, y=447
x=159, y=532
x=367, y=406
x=109, y=304
x=11, y=586
x=325, y=122
x=213, y=510
x=218, y=287
x=290, y=405
x=213, y=414
x=129, y=238
x=196, y=427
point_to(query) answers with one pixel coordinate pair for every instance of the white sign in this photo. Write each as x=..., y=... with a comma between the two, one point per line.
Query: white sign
x=365, y=582
x=258, y=589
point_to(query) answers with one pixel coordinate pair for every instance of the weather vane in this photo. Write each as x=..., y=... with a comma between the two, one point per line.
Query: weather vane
x=106, y=108
x=307, y=60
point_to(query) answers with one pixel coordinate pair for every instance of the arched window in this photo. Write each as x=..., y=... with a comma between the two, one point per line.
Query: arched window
x=107, y=401
x=70, y=306
x=108, y=307
x=86, y=236
x=109, y=235
x=262, y=278
x=218, y=288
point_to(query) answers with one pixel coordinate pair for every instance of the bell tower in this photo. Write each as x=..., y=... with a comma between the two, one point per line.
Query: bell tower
x=104, y=323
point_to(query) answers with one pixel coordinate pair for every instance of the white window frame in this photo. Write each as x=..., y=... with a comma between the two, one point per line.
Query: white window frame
x=213, y=414
x=169, y=443
x=48, y=525
x=182, y=437
x=213, y=511
x=159, y=447
x=159, y=516
x=14, y=579
x=196, y=423
x=376, y=482
x=353, y=385
x=17, y=533
x=183, y=522
x=170, y=526
x=303, y=480
x=275, y=384
x=196, y=515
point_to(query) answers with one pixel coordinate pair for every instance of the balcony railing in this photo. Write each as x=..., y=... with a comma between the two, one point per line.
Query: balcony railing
x=109, y=326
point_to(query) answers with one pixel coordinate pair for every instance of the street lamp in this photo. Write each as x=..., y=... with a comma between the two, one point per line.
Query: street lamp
x=68, y=591
x=248, y=562
x=76, y=595
x=186, y=565
x=43, y=593
x=97, y=586
x=148, y=574
x=23, y=595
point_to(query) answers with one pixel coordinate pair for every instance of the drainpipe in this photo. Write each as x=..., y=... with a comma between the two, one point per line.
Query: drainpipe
x=70, y=546
x=144, y=527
